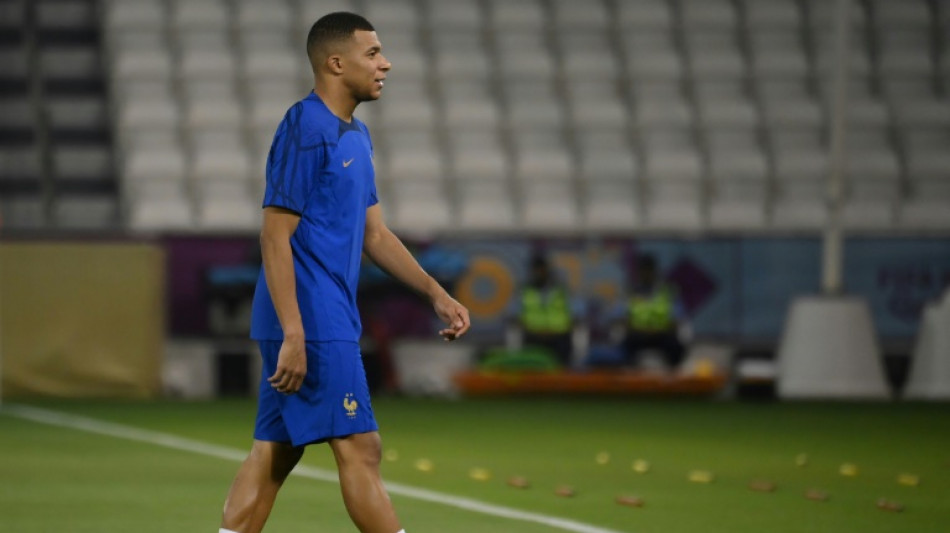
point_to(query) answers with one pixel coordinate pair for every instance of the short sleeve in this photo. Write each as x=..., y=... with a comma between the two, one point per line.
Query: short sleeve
x=292, y=165
x=371, y=198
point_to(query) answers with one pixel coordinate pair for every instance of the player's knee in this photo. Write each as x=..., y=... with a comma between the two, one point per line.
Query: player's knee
x=363, y=450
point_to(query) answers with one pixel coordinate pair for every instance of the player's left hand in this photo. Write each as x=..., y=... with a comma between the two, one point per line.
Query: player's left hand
x=454, y=314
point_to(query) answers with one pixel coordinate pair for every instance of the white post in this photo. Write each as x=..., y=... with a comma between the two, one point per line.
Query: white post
x=829, y=347
x=837, y=155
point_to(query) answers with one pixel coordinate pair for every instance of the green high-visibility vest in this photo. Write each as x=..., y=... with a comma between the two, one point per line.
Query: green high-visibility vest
x=542, y=313
x=654, y=312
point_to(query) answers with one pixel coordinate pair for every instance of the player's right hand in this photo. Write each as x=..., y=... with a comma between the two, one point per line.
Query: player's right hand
x=291, y=367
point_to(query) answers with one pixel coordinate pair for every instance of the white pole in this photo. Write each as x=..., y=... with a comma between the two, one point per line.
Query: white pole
x=837, y=156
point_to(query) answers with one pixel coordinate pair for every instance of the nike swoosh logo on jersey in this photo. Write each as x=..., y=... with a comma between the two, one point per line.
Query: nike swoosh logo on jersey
x=347, y=162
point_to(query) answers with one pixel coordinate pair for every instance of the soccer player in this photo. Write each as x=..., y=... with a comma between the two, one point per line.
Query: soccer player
x=320, y=214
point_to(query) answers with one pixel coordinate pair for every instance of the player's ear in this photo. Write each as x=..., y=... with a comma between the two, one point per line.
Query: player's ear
x=335, y=64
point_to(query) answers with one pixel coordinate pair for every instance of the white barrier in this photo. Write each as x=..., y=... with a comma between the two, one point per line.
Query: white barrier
x=930, y=368
x=426, y=368
x=829, y=350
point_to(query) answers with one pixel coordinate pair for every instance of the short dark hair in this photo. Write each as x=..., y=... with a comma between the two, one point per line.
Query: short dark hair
x=333, y=28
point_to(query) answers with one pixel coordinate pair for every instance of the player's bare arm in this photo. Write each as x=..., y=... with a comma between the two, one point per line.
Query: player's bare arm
x=278, y=226
x=391, y=255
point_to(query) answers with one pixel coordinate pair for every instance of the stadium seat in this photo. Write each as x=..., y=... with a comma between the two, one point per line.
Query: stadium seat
x=549, y=203
x=70, y=63
x=16, y=112
x=76, y=113
x=778, y=54
x=310, y=12
x=821, y=15
x=673, y=162
x=737, y=162
x=539, y=113
x=220, y=113
x=644, y=14
x=19, y=162
x=738, y=203
x=708, y=14
x=134, y=63
x=133, y=14
x=907, y=14
x=651, y=55
x=530, y=64
x=81, y=162
x=714, y=55
x=471, y=113
x=273, y=15
x=772, y=14
x=153, y=214
x=85, y=212
x=666, y=110
x=218, y=155
x=397, y=14
x=926, y=207
x=791, y=110
x=207, y=64
x=419, y=207
x=728, y=114
x=226, y=205
x=514, y=16
x=271, y=64
x=266, y=114
x=22, y=212
x=64, y=14
x=611, y=205
x=453, y=14
x=153, y=162
x=605, y=163
x=201, y=90
x=580, y=15
x=485, y=205
x=478, y=154
x=454, y=64
x=608, y=113
x=202, y=41
x=539, y=163
x=673, y=203
x=801, y=202
x=204, y=14
x=905, y=53
x=415, y=158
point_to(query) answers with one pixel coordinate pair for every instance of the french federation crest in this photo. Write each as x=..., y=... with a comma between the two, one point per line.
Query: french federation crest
x=350, y=405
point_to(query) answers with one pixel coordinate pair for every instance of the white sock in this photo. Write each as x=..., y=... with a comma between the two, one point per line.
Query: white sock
x=401, y=531
x=222, y=530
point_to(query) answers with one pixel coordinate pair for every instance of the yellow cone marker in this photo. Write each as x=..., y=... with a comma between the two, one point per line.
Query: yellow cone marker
x=801, y=460
x=641, y=466
x=479, y=474
x=391, y=455
x=848, y=470
x=424, y=465
x=701, y=476
x=602, y=458
x=908, y=480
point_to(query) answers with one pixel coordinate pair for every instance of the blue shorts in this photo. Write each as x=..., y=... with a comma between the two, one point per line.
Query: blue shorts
x=332, y=402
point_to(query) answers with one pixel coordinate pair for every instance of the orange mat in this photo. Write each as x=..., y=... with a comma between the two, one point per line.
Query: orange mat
x=499, y=383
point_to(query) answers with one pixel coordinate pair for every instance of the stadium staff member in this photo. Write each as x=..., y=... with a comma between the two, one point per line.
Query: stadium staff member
x=654, y=314
x=545, y=314
x=320, y=214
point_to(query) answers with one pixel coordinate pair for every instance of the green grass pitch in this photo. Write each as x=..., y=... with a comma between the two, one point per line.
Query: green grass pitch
x=63, y=480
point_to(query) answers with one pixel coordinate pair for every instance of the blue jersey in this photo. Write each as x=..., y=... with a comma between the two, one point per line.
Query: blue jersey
x=321, y=168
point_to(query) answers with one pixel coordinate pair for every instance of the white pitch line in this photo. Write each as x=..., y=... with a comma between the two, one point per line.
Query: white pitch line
x=167, y=440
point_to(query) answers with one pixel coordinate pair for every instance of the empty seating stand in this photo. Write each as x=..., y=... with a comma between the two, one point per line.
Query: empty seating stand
x=524, y=115
x=55, y=144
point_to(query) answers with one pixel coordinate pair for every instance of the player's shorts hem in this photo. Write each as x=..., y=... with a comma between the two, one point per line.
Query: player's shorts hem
x=333, y=401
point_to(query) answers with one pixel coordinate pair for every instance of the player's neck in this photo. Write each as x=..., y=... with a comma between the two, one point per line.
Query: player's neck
x=339, y=102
